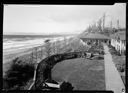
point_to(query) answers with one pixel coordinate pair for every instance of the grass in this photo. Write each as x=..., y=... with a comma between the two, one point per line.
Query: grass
x=120, y=62
x=84, y=74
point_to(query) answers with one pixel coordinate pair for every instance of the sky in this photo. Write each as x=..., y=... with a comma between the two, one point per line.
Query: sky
x=59, y=19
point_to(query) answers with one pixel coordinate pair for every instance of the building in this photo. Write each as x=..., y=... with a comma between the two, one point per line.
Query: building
x=95, y=38
x=118, y=40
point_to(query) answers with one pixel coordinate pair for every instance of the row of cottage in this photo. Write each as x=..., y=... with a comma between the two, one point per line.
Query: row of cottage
x=117, y=40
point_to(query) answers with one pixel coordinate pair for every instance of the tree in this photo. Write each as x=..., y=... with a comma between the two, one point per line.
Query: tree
x=48, y=48
x=111, y=25
x=99, y=25
x=58, y=49
x=118, y=24
x=54, y=48
x=89, y=28
x=65, y=41
x=93, y=28
x=18, y=74
x=104, y=16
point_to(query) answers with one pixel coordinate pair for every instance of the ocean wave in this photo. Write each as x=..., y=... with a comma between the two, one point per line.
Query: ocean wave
x=12, y=45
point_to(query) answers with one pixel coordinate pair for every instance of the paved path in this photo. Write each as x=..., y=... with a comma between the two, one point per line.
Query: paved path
x=112, y=77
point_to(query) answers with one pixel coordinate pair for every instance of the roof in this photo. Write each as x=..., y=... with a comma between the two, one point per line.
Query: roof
x=82, y=34
x=95, y=36
x=119, y=35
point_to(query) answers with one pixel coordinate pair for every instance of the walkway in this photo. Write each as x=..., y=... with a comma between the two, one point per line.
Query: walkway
x=112, y=77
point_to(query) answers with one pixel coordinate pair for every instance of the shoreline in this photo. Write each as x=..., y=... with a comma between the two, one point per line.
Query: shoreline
x=26, y=53
x=27, y=50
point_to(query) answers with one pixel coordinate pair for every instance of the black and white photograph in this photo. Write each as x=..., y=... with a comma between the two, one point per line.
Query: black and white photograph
x=64, y=47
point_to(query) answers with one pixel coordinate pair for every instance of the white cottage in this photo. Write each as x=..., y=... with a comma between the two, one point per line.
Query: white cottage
x=95, y=37
x=118, y=40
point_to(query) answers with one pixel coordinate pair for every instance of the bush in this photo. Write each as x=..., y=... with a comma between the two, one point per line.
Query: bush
x=113, y=51
x=18, y=74
x=68, y=50
x=5, y=84
x=66, y=86
x=121, y=68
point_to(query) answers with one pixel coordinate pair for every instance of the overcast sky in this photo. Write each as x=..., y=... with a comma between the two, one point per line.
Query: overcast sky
x=52, y=19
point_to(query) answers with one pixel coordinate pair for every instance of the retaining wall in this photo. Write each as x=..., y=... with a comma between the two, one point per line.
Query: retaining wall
x=44, y=68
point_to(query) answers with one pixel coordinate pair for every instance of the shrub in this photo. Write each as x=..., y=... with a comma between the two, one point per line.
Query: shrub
x=5, y=84
x=18, y=74
x=121, y=68
x=66, y=86
x=68, y=50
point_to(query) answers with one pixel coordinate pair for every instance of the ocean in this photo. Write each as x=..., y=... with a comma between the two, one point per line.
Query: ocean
x=16, y=43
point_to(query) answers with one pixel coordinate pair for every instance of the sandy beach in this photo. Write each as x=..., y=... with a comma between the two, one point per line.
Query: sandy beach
x=25, y=52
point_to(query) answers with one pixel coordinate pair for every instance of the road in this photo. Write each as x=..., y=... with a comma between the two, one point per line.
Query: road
x=112, y=76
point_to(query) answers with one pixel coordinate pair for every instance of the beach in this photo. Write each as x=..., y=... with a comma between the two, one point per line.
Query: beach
x=24, y=48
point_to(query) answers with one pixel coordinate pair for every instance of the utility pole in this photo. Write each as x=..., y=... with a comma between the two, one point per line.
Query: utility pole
x=111, y=28
x=103, y=21
x=99, y=25
x=111, y=24
x=118, y=24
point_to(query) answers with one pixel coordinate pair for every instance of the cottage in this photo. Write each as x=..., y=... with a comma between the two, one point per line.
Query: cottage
x=95, y=38
x=118, y=40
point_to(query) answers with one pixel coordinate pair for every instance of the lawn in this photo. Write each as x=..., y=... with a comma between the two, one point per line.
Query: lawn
x=83, y=74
